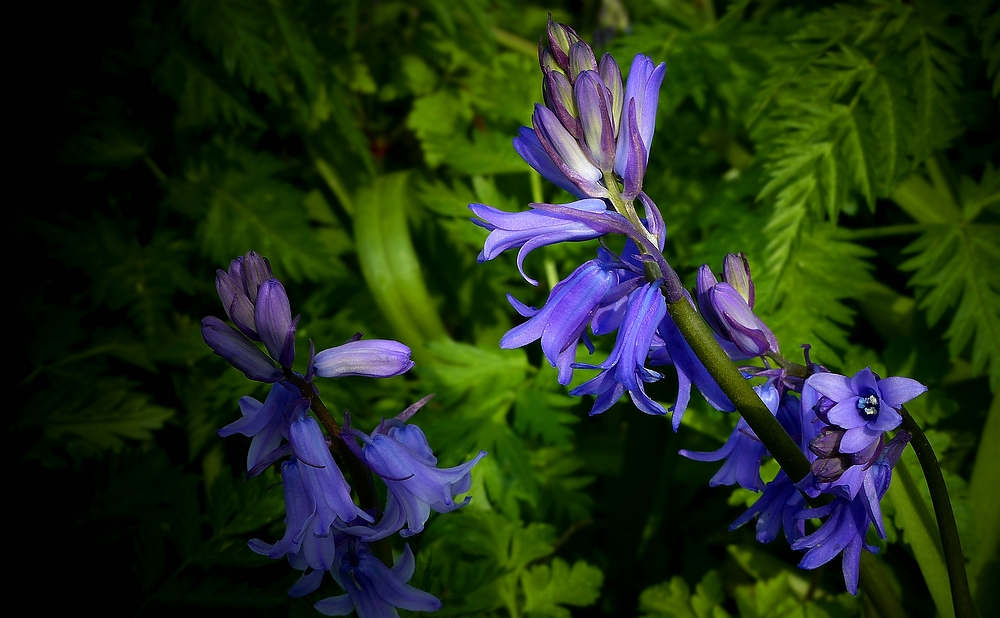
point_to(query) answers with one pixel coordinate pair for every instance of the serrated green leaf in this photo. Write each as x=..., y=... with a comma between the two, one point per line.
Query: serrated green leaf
x=673, y=599
x=110, y=414
x=547, y=588
x=807, y=304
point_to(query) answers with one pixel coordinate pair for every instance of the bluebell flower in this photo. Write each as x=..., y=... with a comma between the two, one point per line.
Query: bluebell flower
x=402, y=457
x=554, y=48
x=778, y=507
x=235, y=300
x=864, y=405
x=373, y=589
x=267, y=423
x=274, y=323
x=562, y=320
x=847, y=521
x=527, y=145
x=637, y=123
x=543, y=225
x=743, y=451
x=776, y=510
x=625, y=370
x=728, y=309
x=306, y=550
x=325, y=483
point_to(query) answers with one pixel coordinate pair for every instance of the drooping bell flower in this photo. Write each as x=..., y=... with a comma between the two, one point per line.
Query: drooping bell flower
x=373, y=589
x=743, y=451
x=401, y=455
x=847, y=520
x=625, y=369
x=562, y=321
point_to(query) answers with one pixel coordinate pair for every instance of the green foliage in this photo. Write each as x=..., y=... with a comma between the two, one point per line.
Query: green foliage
x=673, y=599
x=849, y=149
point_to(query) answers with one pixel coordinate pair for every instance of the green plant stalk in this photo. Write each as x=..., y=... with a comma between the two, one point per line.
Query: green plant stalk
x=947, y=528
x=739, y=391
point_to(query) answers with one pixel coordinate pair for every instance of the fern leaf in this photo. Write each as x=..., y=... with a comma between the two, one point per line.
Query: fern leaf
x=236, y=31
x=956, y=266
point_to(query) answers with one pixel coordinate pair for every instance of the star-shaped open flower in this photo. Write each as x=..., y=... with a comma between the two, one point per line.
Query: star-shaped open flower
x=864, y=405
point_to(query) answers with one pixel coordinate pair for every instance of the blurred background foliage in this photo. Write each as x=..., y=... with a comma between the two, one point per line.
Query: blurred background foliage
x=851, y=151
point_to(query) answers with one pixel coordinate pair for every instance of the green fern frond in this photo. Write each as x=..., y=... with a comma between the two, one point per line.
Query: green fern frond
x=933, y=65
x=822, y=273
x=237, y=32
x=204, y=98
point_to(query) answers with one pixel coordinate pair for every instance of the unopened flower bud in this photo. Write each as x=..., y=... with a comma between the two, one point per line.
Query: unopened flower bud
x=736, y=272
x=560, y=39
x=255, y=270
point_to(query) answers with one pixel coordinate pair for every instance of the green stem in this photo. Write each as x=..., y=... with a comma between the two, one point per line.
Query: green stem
x=361, y=475
x=947, y=528
x=738, y=390
x=875, y=586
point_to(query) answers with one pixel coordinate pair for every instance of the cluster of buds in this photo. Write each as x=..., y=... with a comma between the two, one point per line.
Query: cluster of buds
x=727, y=306
x=592, y=135
x=326, y=531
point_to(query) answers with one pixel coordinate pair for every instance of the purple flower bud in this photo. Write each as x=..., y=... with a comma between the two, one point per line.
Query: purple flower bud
x=560, y=39
x=581, y=58
x=828, y=442
x=371, y=358
x=738, y=322
x=566, y=153
x=831, y=468
x=235, y=300
x=239, y=351
x=546, y=60
x=631, y=168
x=530, y=149
x=255, y=270
x=558, y=95
x=273, y=317
x=642, y=87
x=611, y=75
x=593, y=106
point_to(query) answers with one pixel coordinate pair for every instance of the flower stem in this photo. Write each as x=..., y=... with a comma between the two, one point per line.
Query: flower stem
x=738, y=390
x=947, y=528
